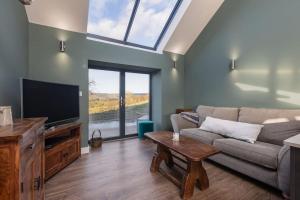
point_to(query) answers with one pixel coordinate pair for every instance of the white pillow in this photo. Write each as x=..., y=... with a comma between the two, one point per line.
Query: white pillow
x=238, y=130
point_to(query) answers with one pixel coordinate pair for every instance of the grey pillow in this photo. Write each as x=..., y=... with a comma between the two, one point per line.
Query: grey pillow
x=278, y=132
x=191, y=117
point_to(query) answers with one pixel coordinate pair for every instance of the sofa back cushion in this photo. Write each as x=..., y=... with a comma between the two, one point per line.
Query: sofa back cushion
x=276, y=133
x=217, y=112
x=267, y=116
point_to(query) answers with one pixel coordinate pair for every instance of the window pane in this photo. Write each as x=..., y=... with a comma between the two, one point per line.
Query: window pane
x=136, y=100
x=104, y=110
x=150, y=19
x=109, y=18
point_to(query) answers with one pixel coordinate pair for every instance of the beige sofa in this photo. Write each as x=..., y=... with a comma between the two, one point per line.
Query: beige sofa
x=266, y=162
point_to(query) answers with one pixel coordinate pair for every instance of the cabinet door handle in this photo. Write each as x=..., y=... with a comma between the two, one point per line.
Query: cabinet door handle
x=37, y=183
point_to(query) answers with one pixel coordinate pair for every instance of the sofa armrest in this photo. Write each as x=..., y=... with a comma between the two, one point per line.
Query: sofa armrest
x=284, y=169
x=179, y=123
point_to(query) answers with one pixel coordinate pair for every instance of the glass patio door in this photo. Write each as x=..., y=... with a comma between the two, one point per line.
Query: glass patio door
x=137, y=100
x=117, y=99
x=104, y=102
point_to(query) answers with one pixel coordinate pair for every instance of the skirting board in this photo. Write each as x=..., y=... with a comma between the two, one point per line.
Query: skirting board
x=85, y=150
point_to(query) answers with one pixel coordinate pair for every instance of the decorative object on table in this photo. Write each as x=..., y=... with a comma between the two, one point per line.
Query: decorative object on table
x=175, y=137
x=96, y=142
x=144, y=126
x=5, y=116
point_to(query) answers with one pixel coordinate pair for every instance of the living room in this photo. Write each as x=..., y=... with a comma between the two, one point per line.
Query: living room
x=229, y=69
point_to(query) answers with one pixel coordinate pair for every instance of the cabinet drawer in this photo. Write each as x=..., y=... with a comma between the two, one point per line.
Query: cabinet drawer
x=53, y=163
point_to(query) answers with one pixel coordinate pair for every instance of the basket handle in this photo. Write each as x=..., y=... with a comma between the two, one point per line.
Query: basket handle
x=97, y=130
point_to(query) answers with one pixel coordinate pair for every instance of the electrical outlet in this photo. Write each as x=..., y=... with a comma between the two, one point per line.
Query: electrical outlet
x=80, y=93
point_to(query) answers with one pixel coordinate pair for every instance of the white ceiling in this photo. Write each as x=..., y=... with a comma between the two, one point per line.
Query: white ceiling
x=194, y=20
x=69, y=15
x=72, y=15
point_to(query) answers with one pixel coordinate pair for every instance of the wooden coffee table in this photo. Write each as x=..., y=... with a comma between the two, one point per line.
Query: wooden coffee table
x=194, y=152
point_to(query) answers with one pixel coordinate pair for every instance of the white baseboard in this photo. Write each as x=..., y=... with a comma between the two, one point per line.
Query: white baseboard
x=85, y=150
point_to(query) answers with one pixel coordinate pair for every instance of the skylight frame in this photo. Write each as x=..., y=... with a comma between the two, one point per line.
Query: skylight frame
x=129, y=26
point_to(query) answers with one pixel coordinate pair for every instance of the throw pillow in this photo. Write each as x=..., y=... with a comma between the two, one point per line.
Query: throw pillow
x=278, y=132
x=237, y=130
x=191, y=117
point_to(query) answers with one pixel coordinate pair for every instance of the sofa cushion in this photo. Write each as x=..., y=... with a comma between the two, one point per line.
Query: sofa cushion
x=217, y=112
x=259, y=153
x=278, y=132
x=202, y=136
x=267, y=116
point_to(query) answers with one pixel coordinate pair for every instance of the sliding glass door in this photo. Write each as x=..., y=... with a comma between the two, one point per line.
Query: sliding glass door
x=137, y=98
x=104, y=104
x=117, y=99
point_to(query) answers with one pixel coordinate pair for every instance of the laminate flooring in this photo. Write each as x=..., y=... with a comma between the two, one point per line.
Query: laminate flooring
x=120, y=171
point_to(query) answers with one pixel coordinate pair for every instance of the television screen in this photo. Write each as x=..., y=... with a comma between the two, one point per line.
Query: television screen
x=58, y=102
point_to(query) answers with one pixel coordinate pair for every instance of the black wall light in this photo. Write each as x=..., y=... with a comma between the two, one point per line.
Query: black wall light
x=62, y=46
x=233, y=64
x=174, y=64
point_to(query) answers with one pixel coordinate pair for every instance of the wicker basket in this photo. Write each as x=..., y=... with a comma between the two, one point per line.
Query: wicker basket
x=96, y=142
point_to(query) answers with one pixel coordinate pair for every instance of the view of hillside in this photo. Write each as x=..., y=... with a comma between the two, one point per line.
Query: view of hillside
x=102, y=102
x=104, y=112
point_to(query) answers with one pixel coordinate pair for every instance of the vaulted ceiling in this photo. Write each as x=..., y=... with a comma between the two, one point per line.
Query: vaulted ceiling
x=72, y=15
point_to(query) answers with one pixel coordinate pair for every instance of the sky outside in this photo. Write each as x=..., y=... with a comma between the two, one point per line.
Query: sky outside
x=110, y=18
x=108, y=82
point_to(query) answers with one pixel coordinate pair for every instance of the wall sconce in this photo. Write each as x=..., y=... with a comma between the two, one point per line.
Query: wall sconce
x=233, y=65
x=174, y=64
x=62, y=46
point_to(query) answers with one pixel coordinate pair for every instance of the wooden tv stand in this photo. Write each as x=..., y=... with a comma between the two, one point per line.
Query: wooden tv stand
x=62, y=147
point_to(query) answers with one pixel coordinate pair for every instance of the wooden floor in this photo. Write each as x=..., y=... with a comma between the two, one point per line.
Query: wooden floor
x=120, y=171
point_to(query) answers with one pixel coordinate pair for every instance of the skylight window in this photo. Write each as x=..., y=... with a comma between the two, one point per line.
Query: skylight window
x=139, y=23
x=109, y=18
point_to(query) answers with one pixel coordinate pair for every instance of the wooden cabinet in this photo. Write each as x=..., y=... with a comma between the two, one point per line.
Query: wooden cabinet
x=180, y=110
x=22, y=160
x=62, y=147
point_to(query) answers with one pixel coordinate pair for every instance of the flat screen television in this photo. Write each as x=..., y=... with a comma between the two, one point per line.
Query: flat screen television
x=58, y=102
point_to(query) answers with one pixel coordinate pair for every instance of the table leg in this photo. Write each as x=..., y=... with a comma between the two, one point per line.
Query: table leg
x=202, y=182
x=162, y=153
x=195, y=173
x=295, y=173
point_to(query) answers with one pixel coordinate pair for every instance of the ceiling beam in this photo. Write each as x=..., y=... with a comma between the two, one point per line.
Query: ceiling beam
x=173, y=13
x=135, y=7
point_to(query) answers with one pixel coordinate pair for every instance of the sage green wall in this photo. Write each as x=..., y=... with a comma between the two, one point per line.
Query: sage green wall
x=13, y=52
x=264, y=36
x=48, y=64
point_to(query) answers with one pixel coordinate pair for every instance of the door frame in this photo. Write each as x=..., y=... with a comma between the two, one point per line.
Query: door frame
x=122, y=87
